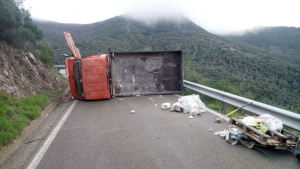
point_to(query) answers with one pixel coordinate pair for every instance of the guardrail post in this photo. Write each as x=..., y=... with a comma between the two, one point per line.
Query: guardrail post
x=224, y=108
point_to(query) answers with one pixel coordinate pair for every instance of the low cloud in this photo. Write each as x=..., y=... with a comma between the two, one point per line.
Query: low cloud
x=218, y=17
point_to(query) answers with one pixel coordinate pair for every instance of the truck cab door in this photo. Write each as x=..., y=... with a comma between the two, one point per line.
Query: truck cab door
x=75, y=51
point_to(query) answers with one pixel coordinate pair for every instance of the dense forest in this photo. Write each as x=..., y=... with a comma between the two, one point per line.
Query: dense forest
x=220, y=62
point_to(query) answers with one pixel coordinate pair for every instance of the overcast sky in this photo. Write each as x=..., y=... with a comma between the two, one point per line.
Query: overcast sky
x=216, y=16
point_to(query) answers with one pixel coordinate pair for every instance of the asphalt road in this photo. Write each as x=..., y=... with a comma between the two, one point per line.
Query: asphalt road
x=104, y=134
x=63, y=72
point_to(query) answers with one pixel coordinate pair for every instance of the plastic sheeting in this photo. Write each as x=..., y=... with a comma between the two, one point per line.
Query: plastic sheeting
x=270, y=121
x=191, y=104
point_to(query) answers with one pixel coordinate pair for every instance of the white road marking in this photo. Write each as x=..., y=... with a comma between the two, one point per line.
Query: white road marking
x=38, y=157
x=217, y=114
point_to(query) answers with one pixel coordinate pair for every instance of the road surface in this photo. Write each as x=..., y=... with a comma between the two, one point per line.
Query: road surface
x=104, y=134
x=63, y=72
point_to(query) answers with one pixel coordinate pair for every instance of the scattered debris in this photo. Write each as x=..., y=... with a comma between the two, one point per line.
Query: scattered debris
x=222, y=134
x=156, y=104
x=191, y=117
x=67, y=97
x=150, y=99
x=234, y=135
x=252, y=132
x=120, y=99
x=209, y=130
x=160, y=96
x=189, y=104
x=166, y=106
x=132, y=111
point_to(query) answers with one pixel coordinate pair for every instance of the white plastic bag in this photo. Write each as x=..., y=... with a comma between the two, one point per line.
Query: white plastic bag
x=191, y=104
x=250, y=121
x=270, y=121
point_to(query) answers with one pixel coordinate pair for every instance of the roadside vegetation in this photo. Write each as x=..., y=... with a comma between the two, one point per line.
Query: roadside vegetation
x=16, y=114
x=35, y=83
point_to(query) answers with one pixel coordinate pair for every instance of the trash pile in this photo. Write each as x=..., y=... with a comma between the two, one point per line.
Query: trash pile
x=264, y=130
x=234, y=135
x=262, y=123
x=191, y=105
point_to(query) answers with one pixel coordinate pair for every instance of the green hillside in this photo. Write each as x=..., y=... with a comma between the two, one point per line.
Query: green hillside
x=284, y=40
x=211, y=60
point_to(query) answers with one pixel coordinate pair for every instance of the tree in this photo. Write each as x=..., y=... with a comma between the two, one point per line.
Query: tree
x=10, y=20
x=46, y=52
x=16, y=26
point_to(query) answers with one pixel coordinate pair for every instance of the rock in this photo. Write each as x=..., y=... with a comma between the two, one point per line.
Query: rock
x=5, y=72
x=32, y=58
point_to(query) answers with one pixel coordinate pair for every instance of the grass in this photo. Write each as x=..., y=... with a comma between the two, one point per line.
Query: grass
x=214, y=106
x=15, y=114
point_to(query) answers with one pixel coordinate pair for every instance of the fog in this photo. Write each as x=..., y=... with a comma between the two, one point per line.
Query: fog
x=216, y=16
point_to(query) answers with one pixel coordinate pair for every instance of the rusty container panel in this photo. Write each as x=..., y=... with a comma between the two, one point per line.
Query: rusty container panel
x=145, y=73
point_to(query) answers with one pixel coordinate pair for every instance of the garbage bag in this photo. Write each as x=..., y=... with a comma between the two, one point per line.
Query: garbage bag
x=250, y=121
x=190, y=104
x=234, y=135
x=272, y=122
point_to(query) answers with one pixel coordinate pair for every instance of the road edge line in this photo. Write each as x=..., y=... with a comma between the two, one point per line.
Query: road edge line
x=38, y=157
x=7, y=151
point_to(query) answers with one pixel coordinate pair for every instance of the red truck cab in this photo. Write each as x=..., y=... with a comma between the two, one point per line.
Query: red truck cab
x=88, y=77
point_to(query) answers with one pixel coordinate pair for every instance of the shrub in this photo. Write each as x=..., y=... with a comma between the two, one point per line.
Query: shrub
x=16, y=113
x=46, y=52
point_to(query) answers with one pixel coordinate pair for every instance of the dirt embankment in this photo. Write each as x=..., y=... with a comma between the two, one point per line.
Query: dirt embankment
x=21, y=74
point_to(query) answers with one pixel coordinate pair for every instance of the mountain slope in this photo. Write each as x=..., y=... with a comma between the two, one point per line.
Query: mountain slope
x=275, y=40
x=256, y=73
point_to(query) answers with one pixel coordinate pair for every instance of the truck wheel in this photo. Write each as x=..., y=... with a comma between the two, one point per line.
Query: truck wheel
x=298, y=156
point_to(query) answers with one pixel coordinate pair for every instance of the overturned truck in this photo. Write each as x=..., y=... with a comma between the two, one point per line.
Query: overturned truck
x=123, y=73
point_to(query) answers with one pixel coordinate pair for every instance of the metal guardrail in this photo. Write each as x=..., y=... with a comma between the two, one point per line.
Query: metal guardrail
x=59, y=66
x=288, y=118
